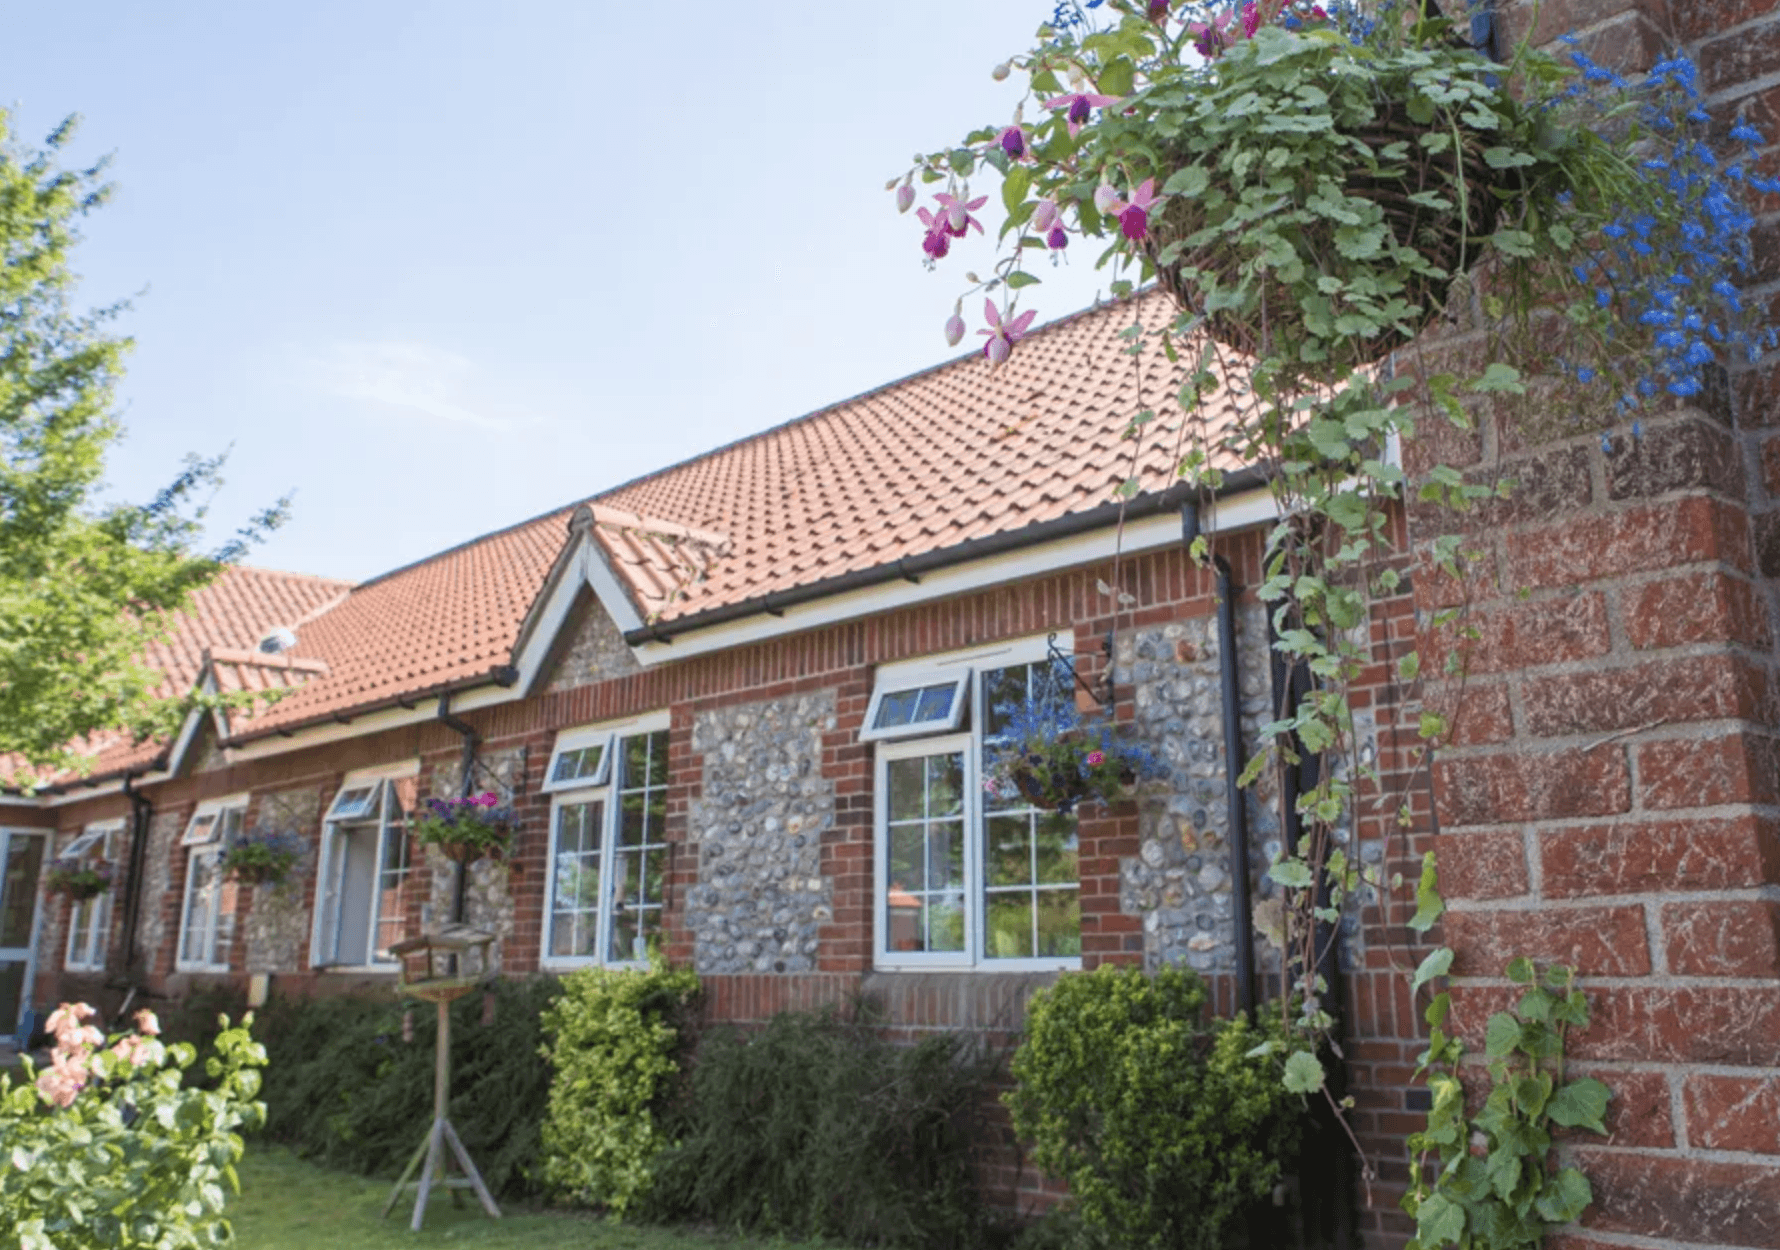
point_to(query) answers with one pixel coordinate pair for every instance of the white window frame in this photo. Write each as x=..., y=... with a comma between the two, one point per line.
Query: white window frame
x=893, y=682
x=207, y=836
x=1033, y=650
x=607, y=792
x=92, y=959
x=579, y=739
x=328, y=889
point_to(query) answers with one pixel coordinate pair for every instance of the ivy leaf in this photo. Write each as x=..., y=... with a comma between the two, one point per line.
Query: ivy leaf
x=1580, y=1104
x=1520, y=971
x=1429, y=906
x=1565, y=1196
x=1499, y=378
x=1502, y=1036
x=1304, y=1073
x=1436, y=964
x=1294, y=874
x=1439, y=1221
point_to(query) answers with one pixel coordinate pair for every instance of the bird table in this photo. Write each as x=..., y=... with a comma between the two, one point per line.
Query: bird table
x=438, y=968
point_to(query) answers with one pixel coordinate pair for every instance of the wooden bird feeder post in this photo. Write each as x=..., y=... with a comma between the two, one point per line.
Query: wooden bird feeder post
x=438, y=968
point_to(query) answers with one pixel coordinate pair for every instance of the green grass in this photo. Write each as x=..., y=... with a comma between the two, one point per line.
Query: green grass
x=288, y=1204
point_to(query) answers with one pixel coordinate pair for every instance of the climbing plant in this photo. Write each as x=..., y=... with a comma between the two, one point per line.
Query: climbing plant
x=1369, y=228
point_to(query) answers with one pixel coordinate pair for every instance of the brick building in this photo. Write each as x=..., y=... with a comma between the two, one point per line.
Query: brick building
x=696, y=690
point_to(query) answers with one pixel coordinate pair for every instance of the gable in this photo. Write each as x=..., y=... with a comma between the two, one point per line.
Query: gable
x=589, y=649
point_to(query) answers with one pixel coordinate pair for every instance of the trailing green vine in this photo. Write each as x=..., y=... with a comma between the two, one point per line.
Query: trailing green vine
x=1483, y=1182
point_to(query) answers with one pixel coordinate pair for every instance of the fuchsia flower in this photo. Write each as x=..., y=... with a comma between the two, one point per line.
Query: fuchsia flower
x=1002, y=337
x=1158, y=11
x=1134, y=214
x=938, y=239
x=488, y=798
x=1106, y=199
x=1080, y=105
x=957, y=215
x=1251, y=19
x=905, y=198
x=1047, y=220
x=1096, y=758
x=954, y=330
x=1013, y=141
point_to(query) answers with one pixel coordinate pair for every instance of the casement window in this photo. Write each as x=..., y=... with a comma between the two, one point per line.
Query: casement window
x=207, y=914
x=966, y=879
x=89, y=920
x=608, y=843
x=917, y=705
x=367, y=874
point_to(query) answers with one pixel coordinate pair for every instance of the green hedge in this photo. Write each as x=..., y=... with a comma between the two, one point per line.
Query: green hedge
x=1166, y=1125
x=344, y=1089
x=816, y=1127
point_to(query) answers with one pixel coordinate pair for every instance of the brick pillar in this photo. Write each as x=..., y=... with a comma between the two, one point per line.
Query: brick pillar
x=1612, y=799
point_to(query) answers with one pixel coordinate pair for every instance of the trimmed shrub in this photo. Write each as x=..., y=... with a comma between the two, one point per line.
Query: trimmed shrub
x=347, y=1091
x=816, y=1127
x=615, y=1044
x=1165, y=1125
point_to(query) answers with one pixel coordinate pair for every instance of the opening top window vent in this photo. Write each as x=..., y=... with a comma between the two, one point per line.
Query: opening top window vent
x=356, y=802
x=916, y=704
x=582, y=758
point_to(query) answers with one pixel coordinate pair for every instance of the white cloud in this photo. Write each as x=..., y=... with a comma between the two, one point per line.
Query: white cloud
x=412, y=377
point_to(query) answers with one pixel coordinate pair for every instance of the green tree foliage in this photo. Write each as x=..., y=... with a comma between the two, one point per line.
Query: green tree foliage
x=1165, y=1125
x=137, y=1157
x=816, y=1126
x=83, y=587
x=614, y=1041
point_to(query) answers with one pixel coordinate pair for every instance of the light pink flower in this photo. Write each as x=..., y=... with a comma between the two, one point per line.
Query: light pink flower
x=1080, y=105
x=147, y=1024
x=1002, y=337
x=905, y=198
x=1106, y=199
x=954, y=330
x=938, y=239
x=1045, y=215
x=957, y=214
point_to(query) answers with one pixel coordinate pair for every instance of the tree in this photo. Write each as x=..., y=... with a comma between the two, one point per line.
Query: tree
x=84, y=587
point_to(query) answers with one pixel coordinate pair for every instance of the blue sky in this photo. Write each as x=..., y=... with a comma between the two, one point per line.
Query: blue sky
x=442, y=267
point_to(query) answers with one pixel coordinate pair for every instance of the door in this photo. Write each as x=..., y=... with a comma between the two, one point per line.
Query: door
x=21, y=862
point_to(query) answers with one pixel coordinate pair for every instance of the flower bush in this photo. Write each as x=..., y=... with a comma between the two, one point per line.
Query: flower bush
x=109, y=1147
x=1049, y=754
x=79, y=879
x=468, y=828
x=263, y=856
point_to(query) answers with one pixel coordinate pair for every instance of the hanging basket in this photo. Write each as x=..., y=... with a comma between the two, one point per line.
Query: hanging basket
x=1447, y=242
x=78, y=887
x=260, y=874
x=1056, y=789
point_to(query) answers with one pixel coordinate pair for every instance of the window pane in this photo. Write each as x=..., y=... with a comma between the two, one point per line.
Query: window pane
x=908, y=792
x=945, y=923
x=945, y=785
x=1057, y=848
x=231, y=822
x=1007, y=850
x=200, y=901
x=1003, y=688
x=1059, y=918
x=1008, y=926
x=393, y=877
x=632, y=822
x=582, y=762
x=935, y=703
x=908, y=858
x=945, y=855
x=575, y=879
x=18, y=891
x=897, y=707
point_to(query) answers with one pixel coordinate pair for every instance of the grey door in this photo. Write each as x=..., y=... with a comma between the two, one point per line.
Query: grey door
x=21, y=863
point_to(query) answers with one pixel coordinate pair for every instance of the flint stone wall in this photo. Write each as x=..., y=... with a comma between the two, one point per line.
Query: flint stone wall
x=277, y=930
x=758, y=825
x=596, y=651
x=488, y=896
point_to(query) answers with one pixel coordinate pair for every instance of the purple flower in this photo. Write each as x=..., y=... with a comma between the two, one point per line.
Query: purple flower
x=1080, y=105
x=938, y=239
x=1057, y=239
x=1013, y=141
x=957, y=214
x=954, y=330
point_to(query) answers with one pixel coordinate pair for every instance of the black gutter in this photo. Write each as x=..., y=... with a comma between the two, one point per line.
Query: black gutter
x=141, y=813
x=910, y=568
x=468, y=761
x=1229, y=687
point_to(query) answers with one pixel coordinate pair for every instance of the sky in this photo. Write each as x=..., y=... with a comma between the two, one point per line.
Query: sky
x=440, y=267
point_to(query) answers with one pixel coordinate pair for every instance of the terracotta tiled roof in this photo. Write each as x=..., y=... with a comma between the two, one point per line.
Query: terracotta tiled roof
x=959, y=452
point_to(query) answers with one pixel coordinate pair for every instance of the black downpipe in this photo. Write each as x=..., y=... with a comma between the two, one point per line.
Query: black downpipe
x=1229, y=689
x=141, y=813
x=465, y=783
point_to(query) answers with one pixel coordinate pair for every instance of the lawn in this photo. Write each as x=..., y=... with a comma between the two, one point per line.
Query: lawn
x=287, y=1204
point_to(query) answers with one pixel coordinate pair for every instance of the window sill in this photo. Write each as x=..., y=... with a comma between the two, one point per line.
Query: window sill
x=206, y=968
x=883, y=964
x=561, y=964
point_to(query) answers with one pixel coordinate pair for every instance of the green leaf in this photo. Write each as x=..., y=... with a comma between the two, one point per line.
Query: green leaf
x=1304, y=1073
x=1440, y=1220
x=1015, y=186
x=1437, y=1010
x=1502, y=1036
x=1565, y=1197
x=1429, y=906
x=1521, y=971
x=1117, y=77
x=1189, y=181
x=1410, y=666
x=1580, y=1104
x=1437, y=964
x=1019, y=278
x=1499, y=377
x=1294, y=874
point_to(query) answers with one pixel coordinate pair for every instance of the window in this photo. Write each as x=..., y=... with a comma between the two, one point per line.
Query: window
x=580, y=760
x=89, y=920
x=920, y=703
x=207, y=917
x=608, y=846
x=367, y=873
x=966, y=880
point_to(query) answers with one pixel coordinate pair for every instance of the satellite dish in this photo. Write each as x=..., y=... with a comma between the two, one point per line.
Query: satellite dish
x=277, y=640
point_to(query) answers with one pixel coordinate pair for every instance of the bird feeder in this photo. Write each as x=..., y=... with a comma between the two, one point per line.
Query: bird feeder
x=438, y=968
